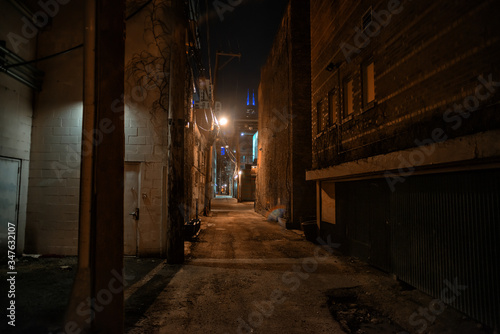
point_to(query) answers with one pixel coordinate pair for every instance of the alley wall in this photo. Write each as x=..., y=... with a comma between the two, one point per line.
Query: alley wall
x=284, y=120
x=16, y=113
x=52, y=223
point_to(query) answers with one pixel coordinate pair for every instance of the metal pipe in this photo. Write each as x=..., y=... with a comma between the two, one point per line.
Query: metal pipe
x=19, y=78
x=82, y=284
x=88, y=126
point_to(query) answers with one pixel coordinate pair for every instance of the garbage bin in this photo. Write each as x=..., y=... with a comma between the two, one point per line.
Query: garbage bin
x=310, y=229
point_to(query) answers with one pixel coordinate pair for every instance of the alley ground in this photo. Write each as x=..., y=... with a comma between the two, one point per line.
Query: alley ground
x=244, y=274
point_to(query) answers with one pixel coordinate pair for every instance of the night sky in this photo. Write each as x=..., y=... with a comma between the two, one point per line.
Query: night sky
x=248, y=29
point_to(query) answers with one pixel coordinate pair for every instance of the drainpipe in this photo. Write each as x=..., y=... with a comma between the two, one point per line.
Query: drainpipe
x=87, y=144
x=82, y=283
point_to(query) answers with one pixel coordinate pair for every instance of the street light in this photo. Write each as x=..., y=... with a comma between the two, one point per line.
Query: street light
x=223, y=121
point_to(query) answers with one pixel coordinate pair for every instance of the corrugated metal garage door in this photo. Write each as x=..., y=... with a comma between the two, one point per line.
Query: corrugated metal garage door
x=363, y=206
x=445, y=231
x=434, y=232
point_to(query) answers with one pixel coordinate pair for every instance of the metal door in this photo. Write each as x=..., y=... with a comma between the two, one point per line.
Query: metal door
x=9, y=197
x=131, y=214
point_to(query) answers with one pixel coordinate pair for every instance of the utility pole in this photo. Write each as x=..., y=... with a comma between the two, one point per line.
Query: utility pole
x=175, y=164
x=96, y=303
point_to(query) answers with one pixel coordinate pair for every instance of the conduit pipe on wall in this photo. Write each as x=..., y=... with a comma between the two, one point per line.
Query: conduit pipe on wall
x=82, y=284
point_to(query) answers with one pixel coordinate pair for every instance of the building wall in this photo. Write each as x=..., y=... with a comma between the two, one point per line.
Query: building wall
x=16, y=109
x=52, y=217
x=53, y=202
x=303, y=192
x=197, y=171
x=424, y=63
x=402, y=177
x=284, y=119
x=145, y=127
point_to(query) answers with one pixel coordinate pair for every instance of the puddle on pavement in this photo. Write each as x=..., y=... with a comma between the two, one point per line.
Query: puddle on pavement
x=354, y=316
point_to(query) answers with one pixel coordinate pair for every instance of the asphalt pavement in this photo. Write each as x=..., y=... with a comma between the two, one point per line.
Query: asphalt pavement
x=245, y=274
x=242, y=274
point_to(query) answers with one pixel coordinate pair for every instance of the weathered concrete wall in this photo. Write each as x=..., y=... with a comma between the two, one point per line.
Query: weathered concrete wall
x=16, y=108
x=284, y=119
x=425, y=63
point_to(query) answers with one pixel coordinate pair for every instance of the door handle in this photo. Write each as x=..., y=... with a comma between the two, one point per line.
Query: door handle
x=135, y=214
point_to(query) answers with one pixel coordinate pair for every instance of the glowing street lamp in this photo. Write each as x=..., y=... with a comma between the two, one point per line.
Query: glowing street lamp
x=223, y=121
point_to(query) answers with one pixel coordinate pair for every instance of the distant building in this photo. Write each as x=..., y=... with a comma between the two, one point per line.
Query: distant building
x=284, y=143
x=405, y=137
x=245, y=128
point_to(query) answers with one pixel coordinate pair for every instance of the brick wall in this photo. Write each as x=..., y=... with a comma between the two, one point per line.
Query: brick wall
x=427, y=57
x=284, y=122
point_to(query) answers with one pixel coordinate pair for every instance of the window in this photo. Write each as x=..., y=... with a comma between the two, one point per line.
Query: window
x=320, y=119
x=348, y=98
x=332, y=106
x=368, y=84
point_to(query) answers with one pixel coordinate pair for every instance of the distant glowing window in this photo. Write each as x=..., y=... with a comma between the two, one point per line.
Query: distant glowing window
x=332, y=106
x=348, y=98
x=368, y=83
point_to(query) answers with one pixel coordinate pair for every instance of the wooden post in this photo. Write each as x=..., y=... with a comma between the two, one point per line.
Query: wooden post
x=96, y=303
x=175, y=172
x=107, y=227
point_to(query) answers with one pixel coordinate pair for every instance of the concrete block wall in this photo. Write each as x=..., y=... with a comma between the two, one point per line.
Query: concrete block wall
x=146, y=129
x=144, y=145
x=53, y=200
x=16, y=116
x=57, y=131
x=425, y=62
x=16, y=109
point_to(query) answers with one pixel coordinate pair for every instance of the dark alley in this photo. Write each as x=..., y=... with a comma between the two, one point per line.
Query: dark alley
x=250, y=166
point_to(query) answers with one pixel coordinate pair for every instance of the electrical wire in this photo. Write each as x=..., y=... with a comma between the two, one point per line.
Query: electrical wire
x=46, y=57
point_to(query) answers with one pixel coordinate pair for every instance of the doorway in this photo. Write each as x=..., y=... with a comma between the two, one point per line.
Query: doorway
x=10, y=170
x=131, y=213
